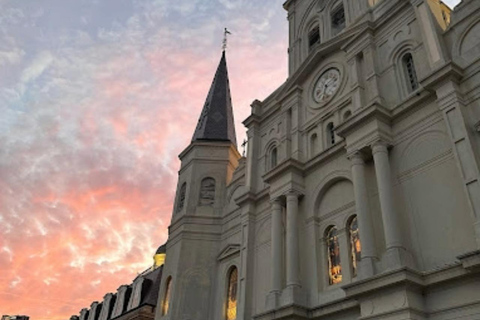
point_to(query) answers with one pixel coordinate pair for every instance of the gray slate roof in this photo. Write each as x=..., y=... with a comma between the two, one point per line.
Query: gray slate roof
x=216, y=120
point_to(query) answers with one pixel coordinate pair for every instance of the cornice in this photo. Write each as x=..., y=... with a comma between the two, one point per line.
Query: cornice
x=287, y=166
x=450, y=71
x=373, y=111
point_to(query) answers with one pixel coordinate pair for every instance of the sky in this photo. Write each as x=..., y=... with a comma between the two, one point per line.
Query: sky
x=97, y=99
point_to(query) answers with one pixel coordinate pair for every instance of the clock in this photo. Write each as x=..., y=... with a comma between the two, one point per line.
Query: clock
x=326, y=86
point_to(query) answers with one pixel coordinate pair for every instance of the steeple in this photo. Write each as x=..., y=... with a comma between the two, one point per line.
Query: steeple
x=216, y=120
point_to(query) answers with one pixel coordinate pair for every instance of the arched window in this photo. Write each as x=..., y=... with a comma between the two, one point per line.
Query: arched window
x=333, y=249
x=410, y=73
x=166, y=297
x=338, y=20
x=330, y=134
x=355, y=245
x=313, y=37
x=231, y=309
x=207, y=192
x=313, y=144
x=181, y=197
x=273, y=158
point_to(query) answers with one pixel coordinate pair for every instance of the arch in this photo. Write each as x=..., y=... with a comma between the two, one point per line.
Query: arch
x=207, y=192
x=166, y=296
x=459, y=47
x=325, y=184
x=333, y=255
x=422, y=149
x=395, y=58
x=355, y=243
x=232, y=294
x=269, y=150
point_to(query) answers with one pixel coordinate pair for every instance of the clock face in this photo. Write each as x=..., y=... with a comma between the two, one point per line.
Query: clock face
x=326, y=86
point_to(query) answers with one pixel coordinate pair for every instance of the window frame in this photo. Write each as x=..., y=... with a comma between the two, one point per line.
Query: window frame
x=227, y=292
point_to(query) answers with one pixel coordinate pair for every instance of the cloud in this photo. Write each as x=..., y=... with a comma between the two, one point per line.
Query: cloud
x=93, y=117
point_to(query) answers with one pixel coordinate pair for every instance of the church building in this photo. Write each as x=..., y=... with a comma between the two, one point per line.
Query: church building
x=359, y=196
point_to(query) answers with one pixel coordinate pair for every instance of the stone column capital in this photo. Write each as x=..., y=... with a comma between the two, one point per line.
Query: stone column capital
x=293, y=194
x=276, y=202
x=356, y=158
x=379, y=146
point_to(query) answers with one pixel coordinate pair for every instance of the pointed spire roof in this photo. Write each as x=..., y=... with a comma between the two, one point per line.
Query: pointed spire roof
x=216, y=120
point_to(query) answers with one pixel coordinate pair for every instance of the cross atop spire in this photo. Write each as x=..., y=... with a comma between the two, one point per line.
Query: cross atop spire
x=225, y=39
x=216, y=120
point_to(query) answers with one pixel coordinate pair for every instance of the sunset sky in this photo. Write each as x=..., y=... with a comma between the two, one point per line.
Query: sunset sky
x=97, y=99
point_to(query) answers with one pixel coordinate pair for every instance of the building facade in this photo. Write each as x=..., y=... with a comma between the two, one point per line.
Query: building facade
x=359, y=197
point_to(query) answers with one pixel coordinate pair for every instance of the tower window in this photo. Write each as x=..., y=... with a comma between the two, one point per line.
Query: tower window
x=313, y=37
x=338, y=20
x=166, y=297
x=273, y=158
x=355, y=245
x=181, y=197
x=232, y=294
x=333, y=249
x=207, y=192
x=330, y=134
x=410, y=73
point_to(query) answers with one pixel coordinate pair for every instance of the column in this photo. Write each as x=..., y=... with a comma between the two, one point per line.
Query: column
x=396, y=254
x=292, y=240
x=277, y=263
x=365, y=228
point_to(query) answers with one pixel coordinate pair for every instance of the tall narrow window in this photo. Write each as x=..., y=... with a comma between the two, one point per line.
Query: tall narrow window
x=333, y=248
x=313, y=37
x=166, y=297
x=207, y=192
x=410, y=73
x=330, y=134
x=232, y=294
x=338, y=20
x=355, y=245
x=273, y=158
x=181, y=197
x=313, y=145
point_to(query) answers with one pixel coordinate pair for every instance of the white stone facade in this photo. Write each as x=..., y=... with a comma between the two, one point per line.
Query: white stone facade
x=396, y=148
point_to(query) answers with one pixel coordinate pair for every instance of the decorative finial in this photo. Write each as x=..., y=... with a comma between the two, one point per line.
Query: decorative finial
x=225, y=33
x=244, y=146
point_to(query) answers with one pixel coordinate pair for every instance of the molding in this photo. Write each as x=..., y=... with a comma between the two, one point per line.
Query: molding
x=477, y=126
x=450, y=71
x=288, y=166
x=229, y=251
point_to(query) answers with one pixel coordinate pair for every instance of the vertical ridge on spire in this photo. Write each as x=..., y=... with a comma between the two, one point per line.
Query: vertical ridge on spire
x=216, y=120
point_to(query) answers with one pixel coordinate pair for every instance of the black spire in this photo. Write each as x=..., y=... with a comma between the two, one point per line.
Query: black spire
x=216, y=120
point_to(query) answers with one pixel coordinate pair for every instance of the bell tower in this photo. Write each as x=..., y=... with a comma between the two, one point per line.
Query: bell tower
x=207, y=166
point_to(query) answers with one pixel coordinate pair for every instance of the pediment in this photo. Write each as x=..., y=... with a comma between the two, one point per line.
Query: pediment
x=228, y=251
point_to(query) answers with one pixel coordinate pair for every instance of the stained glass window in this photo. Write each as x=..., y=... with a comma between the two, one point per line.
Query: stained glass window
x=355, y=245
x=166, y=298
x=232, y=295
x=333, y=248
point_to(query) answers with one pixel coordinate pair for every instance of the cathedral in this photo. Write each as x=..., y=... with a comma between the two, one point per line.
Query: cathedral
x=359, y=195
